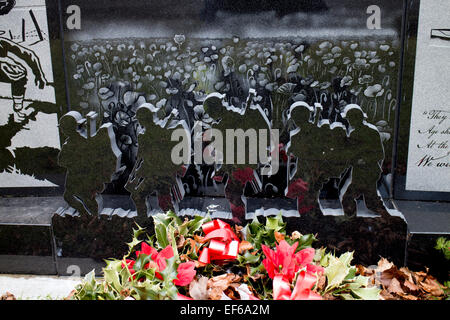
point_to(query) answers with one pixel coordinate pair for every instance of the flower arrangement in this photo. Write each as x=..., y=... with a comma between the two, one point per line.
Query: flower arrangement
x=205, y=259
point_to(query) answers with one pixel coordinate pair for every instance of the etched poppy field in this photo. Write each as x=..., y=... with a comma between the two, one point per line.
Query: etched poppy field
x=204, y=259
x=115, y=77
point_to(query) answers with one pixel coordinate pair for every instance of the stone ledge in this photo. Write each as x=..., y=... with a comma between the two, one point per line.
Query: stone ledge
x=425, y=217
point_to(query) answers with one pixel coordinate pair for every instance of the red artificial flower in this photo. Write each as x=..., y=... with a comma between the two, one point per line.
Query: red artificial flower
x=130, y=265
x=305, y=257
x=286, y=263
x=146, y=249
x=302, y=290
x=282, y=261
x=186, y=271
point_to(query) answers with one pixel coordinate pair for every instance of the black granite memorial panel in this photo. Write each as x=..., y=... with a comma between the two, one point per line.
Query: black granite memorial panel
x=319, y=77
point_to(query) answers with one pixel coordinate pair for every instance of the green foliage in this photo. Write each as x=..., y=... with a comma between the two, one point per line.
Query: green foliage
x=259, y=234
x=342, y=280
x=119, y=283
x=144, y=282
x=443, y=244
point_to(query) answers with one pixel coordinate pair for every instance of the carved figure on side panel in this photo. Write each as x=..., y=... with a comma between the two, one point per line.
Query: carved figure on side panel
x=366, y=158
x=7, y=132
x=91, y=158
x=14, y=72
x=154, y=170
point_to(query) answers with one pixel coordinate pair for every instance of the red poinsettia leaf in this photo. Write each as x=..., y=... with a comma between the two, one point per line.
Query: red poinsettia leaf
x=303, y=286
x=281, y=288
x=305, y=256
x=186, y=273
x=164, y=254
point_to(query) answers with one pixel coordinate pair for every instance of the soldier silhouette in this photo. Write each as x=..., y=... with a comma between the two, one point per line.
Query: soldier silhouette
x=318, y=148
x=91, y=158
x=14, y=73
x=303, y=146
x=154, y=170
x=366, y=155
x=238, y=172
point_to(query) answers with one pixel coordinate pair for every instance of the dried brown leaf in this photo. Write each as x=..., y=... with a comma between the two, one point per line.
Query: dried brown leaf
x=279, y=236
x=219, y=284
x=245, y=246
x=181, y=242
x=192, y=246
x=385, y=295
x=409, y=297
x=410, y=286
x=432, y=287
x=395, y=287
x=199, y=239
x=321, y=283
x=364, y=271
x=384, y=264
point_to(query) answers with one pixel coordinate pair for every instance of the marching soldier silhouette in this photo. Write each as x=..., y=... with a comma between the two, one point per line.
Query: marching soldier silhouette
x=366, y=155
x=238, y=173
x=91, y=158
x=154, y=169
x=318, y=147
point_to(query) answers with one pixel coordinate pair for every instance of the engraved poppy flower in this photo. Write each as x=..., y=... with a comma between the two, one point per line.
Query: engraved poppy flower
x=384, y=47
x=365, y=79
x=374, y=91
x=346, y=81
x=360, y=64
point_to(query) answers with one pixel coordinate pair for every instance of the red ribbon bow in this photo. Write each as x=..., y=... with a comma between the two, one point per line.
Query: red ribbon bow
x=223, y=242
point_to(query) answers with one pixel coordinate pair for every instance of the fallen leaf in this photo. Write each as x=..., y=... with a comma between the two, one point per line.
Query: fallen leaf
x=431, y=286
x=321, y=283
x=199, y=239
x=409, y=297
x=395, y=287
x=279, y=236
x=180, y=242
x=411, y=286
x=245, y=246
x=192, y=245
x=384, y=264
x=217, y=285
x=385, y=295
